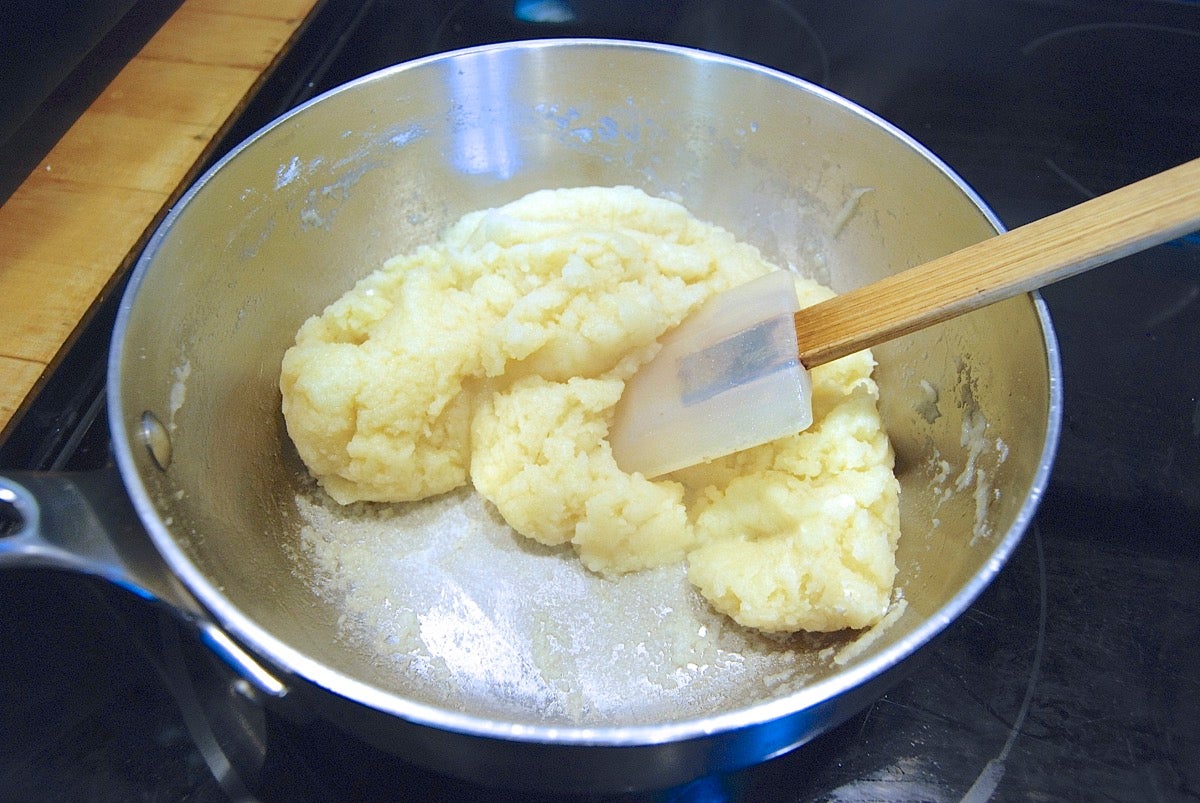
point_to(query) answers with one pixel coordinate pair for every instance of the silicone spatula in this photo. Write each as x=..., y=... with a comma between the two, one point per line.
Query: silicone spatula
x=734, y=373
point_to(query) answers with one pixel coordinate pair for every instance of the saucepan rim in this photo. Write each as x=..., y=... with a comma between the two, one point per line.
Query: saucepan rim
x=290, y=660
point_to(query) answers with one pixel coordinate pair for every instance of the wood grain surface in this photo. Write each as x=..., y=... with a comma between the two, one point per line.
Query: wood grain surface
x=78, y=221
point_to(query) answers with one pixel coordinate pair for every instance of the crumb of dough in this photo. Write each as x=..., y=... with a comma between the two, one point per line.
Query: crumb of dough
x=496, y=356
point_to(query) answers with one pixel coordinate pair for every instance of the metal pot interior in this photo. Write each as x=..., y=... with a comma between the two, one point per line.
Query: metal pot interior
x=292, y=219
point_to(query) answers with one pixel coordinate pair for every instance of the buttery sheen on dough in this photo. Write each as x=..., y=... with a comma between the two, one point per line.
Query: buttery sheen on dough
x=496, y=355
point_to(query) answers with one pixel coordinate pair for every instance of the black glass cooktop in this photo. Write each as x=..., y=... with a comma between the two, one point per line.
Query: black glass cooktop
x=1076, y=676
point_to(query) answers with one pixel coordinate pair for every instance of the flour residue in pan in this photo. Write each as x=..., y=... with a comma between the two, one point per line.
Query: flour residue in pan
x=446, y=597
x=981, y=455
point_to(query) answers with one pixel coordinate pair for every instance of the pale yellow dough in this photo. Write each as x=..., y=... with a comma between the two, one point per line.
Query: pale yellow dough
x=496, y=356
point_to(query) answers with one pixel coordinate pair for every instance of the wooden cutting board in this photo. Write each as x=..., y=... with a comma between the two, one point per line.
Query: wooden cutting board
x=78, y=222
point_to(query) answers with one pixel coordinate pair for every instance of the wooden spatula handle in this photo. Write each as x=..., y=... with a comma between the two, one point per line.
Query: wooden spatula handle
x=1143, y=214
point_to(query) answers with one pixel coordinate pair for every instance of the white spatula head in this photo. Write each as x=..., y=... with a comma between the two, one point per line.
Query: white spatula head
x=729, y=377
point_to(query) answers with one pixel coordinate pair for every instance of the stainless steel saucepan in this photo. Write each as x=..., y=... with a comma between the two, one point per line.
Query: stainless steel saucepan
x=525, y=670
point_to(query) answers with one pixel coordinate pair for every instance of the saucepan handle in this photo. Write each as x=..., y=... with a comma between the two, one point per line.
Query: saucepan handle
x=84, y=522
